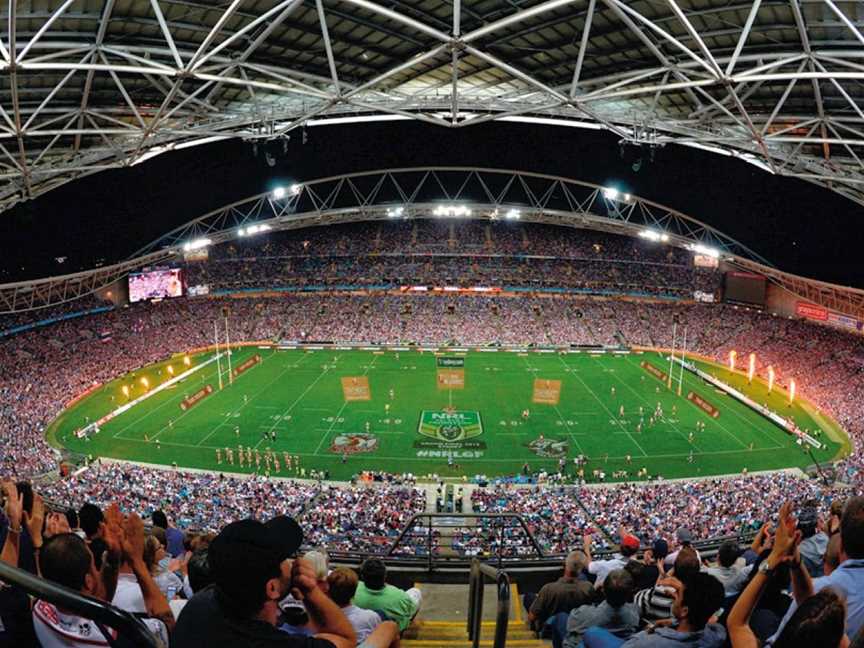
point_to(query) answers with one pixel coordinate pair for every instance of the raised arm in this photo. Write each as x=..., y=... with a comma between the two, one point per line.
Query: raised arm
x=14, y=507
x=326, y=615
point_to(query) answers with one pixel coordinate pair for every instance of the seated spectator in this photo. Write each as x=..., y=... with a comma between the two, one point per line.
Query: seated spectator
x=815, y=540
x=391, y=602
x=653, y=559
x=655, y=603
x=568, y=592
x=600, y=568
x=820, y=619
x=174, y=535
x=296, y=618
x=90, y=517
x=727, y=571
x=696, y=600
x=848, y=579
x=616, y=613
x=371, y=631
x=154, y=556
x=16, y=620
x=252, y=571
x=685, y=541
x=832, y=555
x=67, y=560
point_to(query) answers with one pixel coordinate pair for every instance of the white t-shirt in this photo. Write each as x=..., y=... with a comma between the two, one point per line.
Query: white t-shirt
x=601, y=568
x=56, y=629
x=128, y=595
x=363, y=621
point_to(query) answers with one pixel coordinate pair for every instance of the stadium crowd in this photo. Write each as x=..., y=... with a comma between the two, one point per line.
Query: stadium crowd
x=798, y=583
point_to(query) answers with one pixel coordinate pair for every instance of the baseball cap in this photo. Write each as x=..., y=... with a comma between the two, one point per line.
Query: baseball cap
x=660, y=548
x=247, y=553
x=630, y=542
x=684, y=536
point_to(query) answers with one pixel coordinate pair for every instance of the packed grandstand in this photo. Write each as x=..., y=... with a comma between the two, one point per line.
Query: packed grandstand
x=346, y=285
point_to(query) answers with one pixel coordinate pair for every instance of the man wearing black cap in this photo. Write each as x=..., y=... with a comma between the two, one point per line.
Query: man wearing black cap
x=253, y=568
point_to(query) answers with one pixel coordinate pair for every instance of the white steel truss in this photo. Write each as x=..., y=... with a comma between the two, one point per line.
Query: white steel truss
x=87, y=85
x=422, y=192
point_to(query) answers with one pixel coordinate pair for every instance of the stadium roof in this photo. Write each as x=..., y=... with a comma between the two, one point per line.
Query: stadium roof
x=95, y=84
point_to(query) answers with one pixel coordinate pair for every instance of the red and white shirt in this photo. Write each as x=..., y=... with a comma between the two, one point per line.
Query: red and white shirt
x=58, y=629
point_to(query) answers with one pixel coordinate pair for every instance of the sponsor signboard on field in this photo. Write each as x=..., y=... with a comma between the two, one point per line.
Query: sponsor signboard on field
x=449, y=361
x=703, y=404
x=246, y=365
x=654, y=371
x=546, y=392
x=196, y=398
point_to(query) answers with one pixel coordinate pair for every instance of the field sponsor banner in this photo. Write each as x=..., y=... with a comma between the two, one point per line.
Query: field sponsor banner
x=703, y=404
x=356, y=388
x=446, y=361
x=546, y=392
x=196, y=398
x=349, y=444
x=654, y=371
x=449, y=426
x=246, y=365
x=811, y=311
x=451, y=379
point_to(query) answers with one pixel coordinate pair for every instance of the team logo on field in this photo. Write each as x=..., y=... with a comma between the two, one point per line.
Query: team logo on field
x=449, y=426
x=354, y=443
x=548, y=448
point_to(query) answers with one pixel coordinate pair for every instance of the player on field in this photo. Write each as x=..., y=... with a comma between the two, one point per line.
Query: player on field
x=621, y=412
x=392, y=394
x=245, y=399
x=237, y=431
x=218, y=456
x=691, y=458
x=613, y=392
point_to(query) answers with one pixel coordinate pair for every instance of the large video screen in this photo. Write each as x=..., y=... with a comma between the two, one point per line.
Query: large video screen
x=155, y=284
x=745, y=288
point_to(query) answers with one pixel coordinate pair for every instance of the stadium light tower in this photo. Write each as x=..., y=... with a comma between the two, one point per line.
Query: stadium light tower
x=279, y=193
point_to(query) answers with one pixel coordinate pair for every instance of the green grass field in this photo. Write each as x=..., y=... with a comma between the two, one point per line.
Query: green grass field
x=298, y=395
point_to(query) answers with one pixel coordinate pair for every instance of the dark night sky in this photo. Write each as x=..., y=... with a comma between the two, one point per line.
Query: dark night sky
x=799, y=227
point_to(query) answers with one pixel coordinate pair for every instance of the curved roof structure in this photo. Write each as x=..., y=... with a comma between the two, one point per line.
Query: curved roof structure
x=94, y=84
x=433, y=192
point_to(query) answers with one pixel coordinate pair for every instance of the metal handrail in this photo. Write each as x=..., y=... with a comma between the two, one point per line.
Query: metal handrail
x=103, y=614
x=428, y=517
x=480, y=570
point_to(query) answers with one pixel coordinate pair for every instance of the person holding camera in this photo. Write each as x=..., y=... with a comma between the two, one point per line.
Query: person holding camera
x=253, y=569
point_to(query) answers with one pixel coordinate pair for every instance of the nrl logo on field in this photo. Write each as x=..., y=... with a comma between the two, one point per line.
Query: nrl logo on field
x=354, y=443
x=450, y=425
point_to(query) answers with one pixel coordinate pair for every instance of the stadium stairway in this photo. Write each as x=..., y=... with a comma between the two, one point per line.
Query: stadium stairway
x=442, y=621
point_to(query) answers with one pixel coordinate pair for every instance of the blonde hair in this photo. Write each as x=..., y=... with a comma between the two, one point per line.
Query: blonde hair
x=320, y=563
